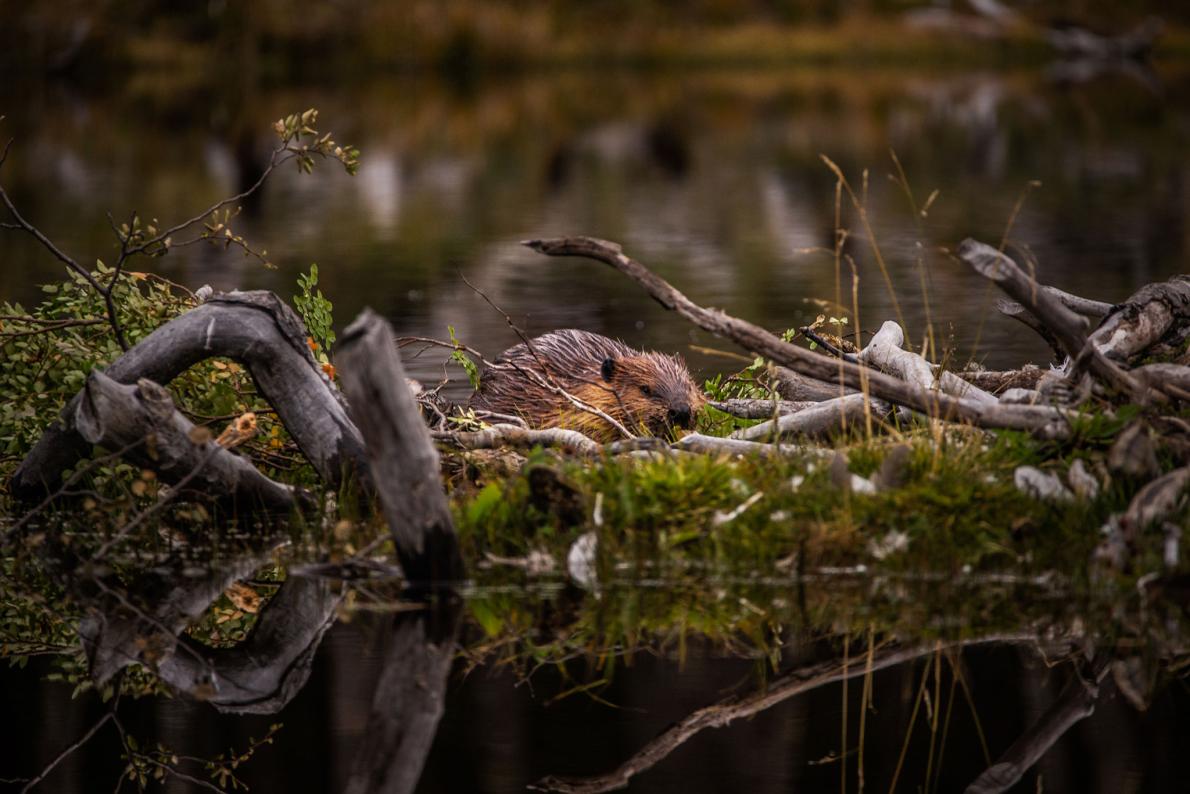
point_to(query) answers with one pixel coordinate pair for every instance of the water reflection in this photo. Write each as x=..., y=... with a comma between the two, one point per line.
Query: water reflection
x=713, y=178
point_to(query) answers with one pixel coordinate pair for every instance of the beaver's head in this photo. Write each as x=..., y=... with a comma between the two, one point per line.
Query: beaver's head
x=651, y=390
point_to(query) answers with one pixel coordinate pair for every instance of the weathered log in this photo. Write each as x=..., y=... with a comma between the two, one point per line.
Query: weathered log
x=818, y=421
x=885, y=351
x=408, y=703
x=255, y=329
x=1144, y=319
x=1042, y=420
x=514, y=436
x=696, y=442
x=1069, y=328
x=1076, y=703
x=800, y=388
x=744, y=408
x=401, y=454
x=1156, y=502
x=1016, y=311
x=998, y=381
x=115, y=416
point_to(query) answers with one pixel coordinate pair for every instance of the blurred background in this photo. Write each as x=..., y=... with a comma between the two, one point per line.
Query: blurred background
x=690, y=132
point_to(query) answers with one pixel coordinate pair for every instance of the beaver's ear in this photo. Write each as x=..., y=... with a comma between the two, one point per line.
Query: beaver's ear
x=608, y=369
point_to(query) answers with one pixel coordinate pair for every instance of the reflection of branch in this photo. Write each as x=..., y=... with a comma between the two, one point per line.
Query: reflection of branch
x=1077, y=702
x=86, y=737
x=794, y=682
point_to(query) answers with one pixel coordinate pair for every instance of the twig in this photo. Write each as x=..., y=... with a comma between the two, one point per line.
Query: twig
x=86, y=737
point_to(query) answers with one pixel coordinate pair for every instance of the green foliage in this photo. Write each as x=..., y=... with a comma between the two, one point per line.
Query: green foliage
x=460, y=357
x=297, y=133
x=315, y=310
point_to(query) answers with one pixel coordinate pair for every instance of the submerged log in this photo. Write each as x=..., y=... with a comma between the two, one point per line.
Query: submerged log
x=256, y=329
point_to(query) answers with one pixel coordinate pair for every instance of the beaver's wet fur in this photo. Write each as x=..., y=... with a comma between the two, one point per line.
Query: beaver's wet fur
x=648, y=393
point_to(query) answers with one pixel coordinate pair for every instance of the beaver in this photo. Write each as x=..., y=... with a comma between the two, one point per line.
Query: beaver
x=647, y=392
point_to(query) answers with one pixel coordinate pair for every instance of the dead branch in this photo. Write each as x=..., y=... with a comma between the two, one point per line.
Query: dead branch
x=713, y=445
x=1144, y=319
x=116, y=416
x=742, y=408
x=1068, y=328
x=255, y=329
x=884, y=351
x=515, y=436
x=1016, y=311
x=403, y=460
x=1036, y=419
x=818, y=421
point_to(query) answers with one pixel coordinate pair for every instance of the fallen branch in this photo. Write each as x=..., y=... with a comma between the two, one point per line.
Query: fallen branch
x=1069, y=328
x=259, y=331
x=1144, y=319
x=818, y=421
x=743, y=408
x=514, y=436
x=885, y=352
x=1044, y=421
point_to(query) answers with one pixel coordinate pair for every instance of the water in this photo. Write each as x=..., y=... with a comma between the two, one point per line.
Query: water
x=714, y=178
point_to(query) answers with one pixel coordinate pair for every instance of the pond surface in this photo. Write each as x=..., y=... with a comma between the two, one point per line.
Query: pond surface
x=714, y=178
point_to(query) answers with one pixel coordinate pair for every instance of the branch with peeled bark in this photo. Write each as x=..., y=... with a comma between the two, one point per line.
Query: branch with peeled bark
x=818, y=421
x=1040, y=420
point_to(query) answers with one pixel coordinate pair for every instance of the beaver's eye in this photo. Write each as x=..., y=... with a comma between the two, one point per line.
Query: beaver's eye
x=646, y=391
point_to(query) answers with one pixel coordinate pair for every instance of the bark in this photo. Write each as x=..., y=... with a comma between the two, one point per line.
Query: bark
x=255, y=329
x=116, y=416
x=799, y=388
x=1144, y=319
x=819, y=421
x=401, y=454
x=713, y=445
x=1036, y=419
x=996, y=382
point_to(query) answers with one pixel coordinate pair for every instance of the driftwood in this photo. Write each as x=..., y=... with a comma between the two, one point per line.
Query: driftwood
x=503, y=435
x=404, y=463
x=744, y=408
x=409, y=701
x=995, y=382
x=734, y=707
x=1036, y=419
x=1144, y=319
x=818, y=421
x=713, y=445
x=1069, y=328
x=885, y=352
x=255, y=329
x=116, y=416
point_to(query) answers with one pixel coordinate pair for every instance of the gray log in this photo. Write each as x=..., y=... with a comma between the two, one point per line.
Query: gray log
x=819, y=421
x=401, y=454
x=255, y=329
x=116, y=416
x=1141, y=321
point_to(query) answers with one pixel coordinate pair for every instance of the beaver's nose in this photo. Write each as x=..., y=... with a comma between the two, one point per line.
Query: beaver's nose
x=680, y=416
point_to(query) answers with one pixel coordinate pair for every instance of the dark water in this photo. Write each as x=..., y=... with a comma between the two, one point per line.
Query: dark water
x=501, y=732
x=715, y=179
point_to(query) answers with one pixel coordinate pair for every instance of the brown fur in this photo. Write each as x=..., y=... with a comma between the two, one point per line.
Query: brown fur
x=646, y=392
